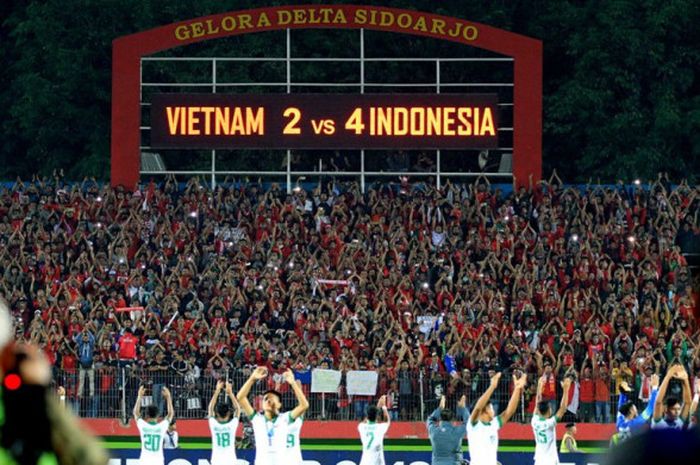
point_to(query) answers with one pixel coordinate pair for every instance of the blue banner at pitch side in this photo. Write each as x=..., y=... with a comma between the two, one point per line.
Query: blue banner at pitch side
x=246, y=457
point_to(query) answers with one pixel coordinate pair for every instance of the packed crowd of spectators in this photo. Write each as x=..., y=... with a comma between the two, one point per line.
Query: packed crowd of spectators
x=406, y=278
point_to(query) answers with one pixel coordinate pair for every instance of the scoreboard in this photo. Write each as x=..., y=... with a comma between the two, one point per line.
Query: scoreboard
x=324, y=121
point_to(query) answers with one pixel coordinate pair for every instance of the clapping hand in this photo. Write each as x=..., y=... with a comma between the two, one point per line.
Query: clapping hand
x=288, y=376
x=495, y=379
x=462, y=402
x=259, y=373
x=654, y=381
x=566, y=383
x=681, y=373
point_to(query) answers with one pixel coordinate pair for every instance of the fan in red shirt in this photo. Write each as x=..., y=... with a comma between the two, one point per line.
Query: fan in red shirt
x=127, y=346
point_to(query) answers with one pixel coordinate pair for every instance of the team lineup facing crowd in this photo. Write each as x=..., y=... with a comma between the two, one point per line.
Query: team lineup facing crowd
x=451, y=282
x=277, y=433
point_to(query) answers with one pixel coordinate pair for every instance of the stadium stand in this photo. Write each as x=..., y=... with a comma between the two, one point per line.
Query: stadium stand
x=180, y=285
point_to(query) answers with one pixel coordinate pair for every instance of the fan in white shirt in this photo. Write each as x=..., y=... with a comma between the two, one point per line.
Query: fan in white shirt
x=151, y=430
x=483, y=425
x=223, y=423
x=271, y=428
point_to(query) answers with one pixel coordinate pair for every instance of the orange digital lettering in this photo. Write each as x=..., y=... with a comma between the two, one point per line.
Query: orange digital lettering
x=487, y=125
x=173, y=119
x=465, y=127
x=255, y=122
x=400, y=121
x=191, y=121
x=448, y=121
x=222, y=121
x=207, y=119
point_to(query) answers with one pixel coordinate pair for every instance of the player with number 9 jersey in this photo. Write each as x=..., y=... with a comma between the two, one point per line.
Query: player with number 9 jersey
x=293, y=442
x=271, y=427
x=484, y=423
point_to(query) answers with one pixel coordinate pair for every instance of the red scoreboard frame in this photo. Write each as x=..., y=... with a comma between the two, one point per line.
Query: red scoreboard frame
x=128, y=51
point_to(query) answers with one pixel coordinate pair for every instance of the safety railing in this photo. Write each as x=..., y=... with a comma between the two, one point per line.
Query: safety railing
x=110, y=392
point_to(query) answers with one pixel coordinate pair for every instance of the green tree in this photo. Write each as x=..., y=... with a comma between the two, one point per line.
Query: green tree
x=621, y=93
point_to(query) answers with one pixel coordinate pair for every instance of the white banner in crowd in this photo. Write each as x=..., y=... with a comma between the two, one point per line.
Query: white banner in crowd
x=325, y=381
x=426, y=323
x=362, y=383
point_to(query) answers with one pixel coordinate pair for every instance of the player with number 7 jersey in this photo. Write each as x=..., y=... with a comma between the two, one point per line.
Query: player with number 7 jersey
x=372, y=434
x=223, y=423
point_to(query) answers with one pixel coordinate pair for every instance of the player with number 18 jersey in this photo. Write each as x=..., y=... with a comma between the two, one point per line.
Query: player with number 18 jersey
x=223, y=423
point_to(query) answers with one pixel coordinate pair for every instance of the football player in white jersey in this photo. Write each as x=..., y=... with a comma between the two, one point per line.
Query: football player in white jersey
x=271, y=427
x=294, y=439
x=544, y=425
x=673, y=416
x=152, y=431
x=223, y=423
x=483, y=425
x=372, y=434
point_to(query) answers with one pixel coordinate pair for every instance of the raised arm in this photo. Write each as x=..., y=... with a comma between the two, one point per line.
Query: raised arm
x=214, y=397
x=462, y=409
x=659, y=403
x=169, y=401
x=61, y=392
x=484, y=399
x=519, y=385
x=435, y=416
x=564, y=399
x=538, y=394
x=242, y=396
x=137, y=406
x=687, y=393
x=696, y=398
x=622, y=399
x=234, y=401
x=382, y=405
x=302, y=402
x=649, y=409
